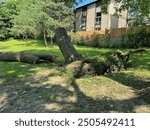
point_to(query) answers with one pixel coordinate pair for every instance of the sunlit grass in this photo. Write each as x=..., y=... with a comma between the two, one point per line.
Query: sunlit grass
x=95, y=92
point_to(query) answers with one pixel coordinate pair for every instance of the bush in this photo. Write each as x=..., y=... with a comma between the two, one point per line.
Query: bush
x=93, y=41
x=138, y=39
x=99, y=41
x=75, y=39
x=4, y=34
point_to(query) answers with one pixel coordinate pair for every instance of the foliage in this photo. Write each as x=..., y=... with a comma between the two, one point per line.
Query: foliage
x=75, y=39
x=100, y=41
x=138, y=39
x=97, y=65
x=7, y=12
x=138, y=10
x=104, y=64
x=41, y=17
x=133, y=39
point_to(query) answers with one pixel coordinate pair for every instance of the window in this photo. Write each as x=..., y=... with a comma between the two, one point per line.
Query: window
x=83, y=18
x=83, y=22
x=84, y=11
x=98, y=18
x=98, y=21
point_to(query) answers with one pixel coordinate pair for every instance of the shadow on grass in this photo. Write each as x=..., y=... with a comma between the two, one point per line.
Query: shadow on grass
x=106, y=104
x=20, y=96
x=17, y=93
x=141, y=61
x=3, y=48
x=129, y=80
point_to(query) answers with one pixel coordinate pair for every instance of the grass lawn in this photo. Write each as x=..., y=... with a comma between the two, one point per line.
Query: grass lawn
x=46, y=87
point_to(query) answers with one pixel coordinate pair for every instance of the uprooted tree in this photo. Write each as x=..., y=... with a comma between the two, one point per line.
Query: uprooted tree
x=99, y=65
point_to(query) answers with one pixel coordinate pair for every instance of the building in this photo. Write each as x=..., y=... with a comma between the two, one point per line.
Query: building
x=89, y=17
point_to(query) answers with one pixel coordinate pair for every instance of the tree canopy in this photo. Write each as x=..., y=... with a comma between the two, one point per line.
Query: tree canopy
x=41, y=17
x=7, y=12
x=32, y=18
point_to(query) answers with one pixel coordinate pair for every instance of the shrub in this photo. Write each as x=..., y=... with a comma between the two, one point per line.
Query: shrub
x=75, y=39
x=95, y=41
x=99, y=41
x=138, y=39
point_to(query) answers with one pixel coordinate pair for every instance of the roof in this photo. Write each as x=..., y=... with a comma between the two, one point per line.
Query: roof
x=85, y=3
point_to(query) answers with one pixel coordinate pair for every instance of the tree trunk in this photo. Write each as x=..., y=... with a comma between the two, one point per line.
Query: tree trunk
x=51, y=40
x=19, y=57
x=46, y=57
x=45, y=40
x=25, y=38
x=64, y=42
x=26, y=57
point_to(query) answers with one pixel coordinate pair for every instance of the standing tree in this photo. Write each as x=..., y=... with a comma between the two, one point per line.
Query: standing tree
x=42, y=16
x=52, y=15
x=7, y=12
x=24, y=23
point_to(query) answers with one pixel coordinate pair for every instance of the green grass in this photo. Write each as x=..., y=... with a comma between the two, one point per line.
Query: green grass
x=46, y=87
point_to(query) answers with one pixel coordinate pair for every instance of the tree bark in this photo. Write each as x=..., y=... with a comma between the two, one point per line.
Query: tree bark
x=64, y=42
x=45, y=57
x=19, y=57
x=26, y=57
x=45, y=40
x=25, y=38
x=51, y=40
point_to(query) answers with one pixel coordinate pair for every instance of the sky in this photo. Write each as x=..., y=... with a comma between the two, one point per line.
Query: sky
x=84, y=3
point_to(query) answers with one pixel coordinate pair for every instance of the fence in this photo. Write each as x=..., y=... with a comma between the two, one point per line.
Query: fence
x=115, y=36
x=116, y=32
x=85, y=34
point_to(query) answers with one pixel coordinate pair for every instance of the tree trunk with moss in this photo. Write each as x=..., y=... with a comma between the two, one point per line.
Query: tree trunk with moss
x=64, y=42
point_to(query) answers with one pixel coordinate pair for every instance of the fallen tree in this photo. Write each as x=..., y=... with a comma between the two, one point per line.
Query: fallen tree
x=99, y=65
x=26, y=57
